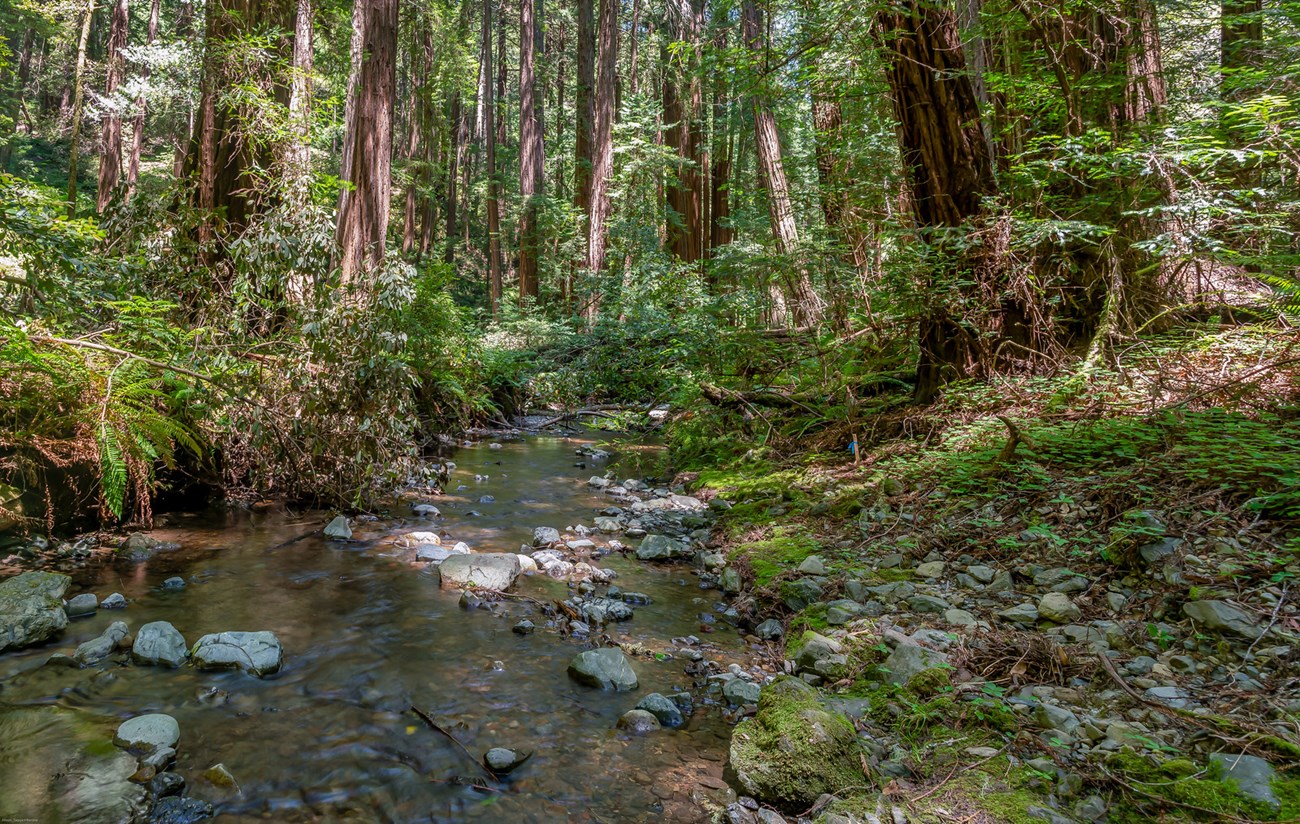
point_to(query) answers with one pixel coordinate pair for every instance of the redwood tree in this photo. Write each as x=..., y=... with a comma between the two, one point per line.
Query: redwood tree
x=368, y=142
x=531, y=152
x=110, y=144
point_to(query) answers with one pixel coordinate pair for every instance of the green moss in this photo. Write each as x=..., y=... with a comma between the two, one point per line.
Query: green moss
x=1181, y=790
x=783, y=552
x=891, y=576
x=795, y=749
x=812, y=617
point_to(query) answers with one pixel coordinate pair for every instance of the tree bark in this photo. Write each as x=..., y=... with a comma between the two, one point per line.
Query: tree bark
x=368, y=144
x=531, y=151
x=804, y=304
x=137, y=132
x=490, y=139
x=77, y=97
x=720, y=231
x=19, y=93
x=418, y=124
x=946, y=155
x=602, y=151
x=110, y=143
x=682, y=104
x=298, y=150
x=585, y=108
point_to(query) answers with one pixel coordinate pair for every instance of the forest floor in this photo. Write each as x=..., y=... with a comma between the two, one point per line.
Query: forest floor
x=1040, y=600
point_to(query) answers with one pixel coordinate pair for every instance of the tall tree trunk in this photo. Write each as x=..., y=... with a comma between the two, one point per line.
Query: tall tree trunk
x=137, y=131
x=602, y=154
x=298, y=150
x=368, y=144
x=944, y=150
x=417, y=125
x=110, y=144
x=682, y=103
x=493, y=201
x=585, y=108
x=1241, y=40
x=634, y=38
x=77, y=97
x=720, y=231
x=804, y=304
x=531, y=152
x=1145, y=95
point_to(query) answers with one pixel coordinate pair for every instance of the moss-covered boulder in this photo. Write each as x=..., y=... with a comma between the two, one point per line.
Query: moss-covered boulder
x=31, y=608
x=795, y=748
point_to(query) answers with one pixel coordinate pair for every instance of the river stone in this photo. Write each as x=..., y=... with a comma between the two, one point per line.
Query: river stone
x=662, y=708
x=931, y=569
x=433, y=553
x=729, y=581
x=147, y=733
x=158, y=642
x=1020, y=614
x=491, y=570
x=607, y=524
x=1058, y=608
x=927, y=604
x=114, y=601
x=1051, y=717
x=661, y=548
x=338, y=528
x=545, y=536
x=177, y=810
x=908, y=661
x=769, y=630
x=794, y=749
x=638, y=722
x=501, y=760
x=97, y=649
x=257, y=653
x=31, y=608
x=813, y=565
x=1220, y=616
x=1251, y=775
x=84, y=604
x=1061, y=579
x=740, y=692
x=816, y=648
x=606, y=668
x=797, y=595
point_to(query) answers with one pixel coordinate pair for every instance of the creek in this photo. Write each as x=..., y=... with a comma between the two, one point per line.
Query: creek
x=368, y=634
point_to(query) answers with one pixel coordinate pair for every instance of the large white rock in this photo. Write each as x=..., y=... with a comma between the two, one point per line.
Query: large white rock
x=158, y=642
x=490, y=570
x=146, y=733
x=258, y=653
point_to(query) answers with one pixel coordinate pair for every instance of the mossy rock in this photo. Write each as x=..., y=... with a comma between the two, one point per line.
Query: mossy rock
x=795, y=748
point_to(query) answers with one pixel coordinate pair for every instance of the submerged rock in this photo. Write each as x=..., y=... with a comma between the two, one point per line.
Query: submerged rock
x=606, y=668
x=662, y=708
x=501, y=760
x=176, y=810
x=492, y=570
x=339, y=528
x=114, y=601
x=31, y=608
x=795, y=748
x=638, y=722
x=257, y=653
x=84, y=604
x=158, y=642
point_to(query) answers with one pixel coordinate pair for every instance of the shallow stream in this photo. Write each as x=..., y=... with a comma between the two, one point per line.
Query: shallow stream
x=368, y=634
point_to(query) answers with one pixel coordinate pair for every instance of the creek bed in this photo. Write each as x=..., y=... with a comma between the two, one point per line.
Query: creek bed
x=367, y=634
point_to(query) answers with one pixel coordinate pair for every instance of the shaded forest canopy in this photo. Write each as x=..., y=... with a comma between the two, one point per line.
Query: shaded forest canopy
x=274, y=247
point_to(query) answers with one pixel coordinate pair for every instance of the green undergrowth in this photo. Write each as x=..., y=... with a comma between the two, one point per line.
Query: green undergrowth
x=1185, y=790
x=774, y=556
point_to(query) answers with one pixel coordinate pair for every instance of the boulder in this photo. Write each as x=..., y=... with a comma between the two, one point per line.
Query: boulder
x=491, y=570
x=84, y=604
x=114, y=601
x=1058, y=608
x=908, y=661
x=97, y=649
x=740, y=692
x=606, y=668
x=816, y=648
x=1251, y=775
x=638, y=722
x=797, y=595
x=794, y=749
x=1220, y=616
x=257, y=653
x=158, y=642
x=545, y=536
x=662, y=708
x=769, y=630
x=146, y=733
x=813, y=565
x=339, y=529
x=661, y=548
x=31, y=608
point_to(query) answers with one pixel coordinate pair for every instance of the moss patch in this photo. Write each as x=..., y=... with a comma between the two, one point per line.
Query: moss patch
x=781, y=553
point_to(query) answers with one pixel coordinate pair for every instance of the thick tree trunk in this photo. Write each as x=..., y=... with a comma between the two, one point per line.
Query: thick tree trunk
x=368, y=144
x=803, y=303
x=110, y=142
x=77, y=97
x=137, y=131
x=944, y=150
x=1241, y=40
x=602, y=150
x=531, y=151
x=1145, y=94
x=417, y=125
x=720, y=231
x=682, y=104
x=585, y=108
x=490, y=138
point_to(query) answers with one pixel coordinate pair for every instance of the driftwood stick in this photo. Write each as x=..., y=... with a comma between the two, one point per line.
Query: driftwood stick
x=424, y=716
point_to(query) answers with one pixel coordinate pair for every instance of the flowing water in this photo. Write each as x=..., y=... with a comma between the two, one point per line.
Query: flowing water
x=368, y=634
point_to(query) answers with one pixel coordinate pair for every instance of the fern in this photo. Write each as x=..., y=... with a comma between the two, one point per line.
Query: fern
x=112, y=471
